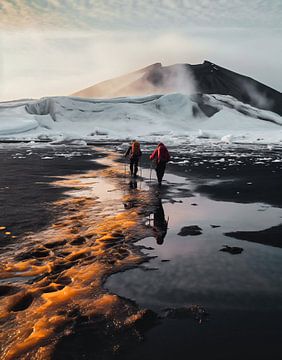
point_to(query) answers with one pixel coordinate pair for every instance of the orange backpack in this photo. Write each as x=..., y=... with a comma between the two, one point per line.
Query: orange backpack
x=135, y=149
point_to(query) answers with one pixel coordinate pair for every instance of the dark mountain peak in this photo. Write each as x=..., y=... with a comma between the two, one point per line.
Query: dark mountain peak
x=210, y=78
x=204, y=78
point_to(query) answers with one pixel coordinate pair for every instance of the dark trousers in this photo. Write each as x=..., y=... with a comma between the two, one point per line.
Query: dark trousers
x=160, y=170
x=134, y=166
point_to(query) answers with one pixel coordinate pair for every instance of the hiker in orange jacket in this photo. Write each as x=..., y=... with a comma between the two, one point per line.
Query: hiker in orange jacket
x=134, y=153
x=162, y=157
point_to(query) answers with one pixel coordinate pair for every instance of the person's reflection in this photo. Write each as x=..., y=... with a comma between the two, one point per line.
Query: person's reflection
x=159, y=223
x=131, y=203
x=133, y=184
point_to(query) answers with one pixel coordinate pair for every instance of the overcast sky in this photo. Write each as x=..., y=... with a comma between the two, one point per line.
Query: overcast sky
x=57, y=47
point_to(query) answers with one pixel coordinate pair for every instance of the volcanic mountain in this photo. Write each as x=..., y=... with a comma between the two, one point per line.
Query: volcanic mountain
x=205, y=78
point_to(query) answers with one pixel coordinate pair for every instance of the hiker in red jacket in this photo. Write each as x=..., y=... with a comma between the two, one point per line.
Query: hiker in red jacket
x=134, y=153
x=162, y=157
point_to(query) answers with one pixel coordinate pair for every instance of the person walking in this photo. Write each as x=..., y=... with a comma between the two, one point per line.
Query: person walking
x=134, y=153
x=162, y=157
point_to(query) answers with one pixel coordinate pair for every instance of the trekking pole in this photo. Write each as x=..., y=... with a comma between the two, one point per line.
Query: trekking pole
x=141, y=168
x=125, y=168
x=151, y=171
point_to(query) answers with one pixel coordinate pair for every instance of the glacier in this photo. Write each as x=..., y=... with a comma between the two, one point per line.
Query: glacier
x=171, y=118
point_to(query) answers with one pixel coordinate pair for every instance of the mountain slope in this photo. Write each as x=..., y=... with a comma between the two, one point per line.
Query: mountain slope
x=114, y=87
x=206, y=78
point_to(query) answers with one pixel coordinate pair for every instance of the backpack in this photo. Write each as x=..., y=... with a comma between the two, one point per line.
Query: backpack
x=135, y=149
x=163, y=154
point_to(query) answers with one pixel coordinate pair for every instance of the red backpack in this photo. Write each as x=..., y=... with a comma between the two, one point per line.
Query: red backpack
x=163, y=154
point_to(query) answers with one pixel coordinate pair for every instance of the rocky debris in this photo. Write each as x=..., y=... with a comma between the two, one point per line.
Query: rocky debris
x=234, y=250
x=190, y=230
x=214, y=226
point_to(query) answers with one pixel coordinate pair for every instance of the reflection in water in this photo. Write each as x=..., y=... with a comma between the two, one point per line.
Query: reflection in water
x=159, y=223
x=255, y=274
x=133, y=184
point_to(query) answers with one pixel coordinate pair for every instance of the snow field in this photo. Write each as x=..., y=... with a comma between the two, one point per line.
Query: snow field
x=170, y=118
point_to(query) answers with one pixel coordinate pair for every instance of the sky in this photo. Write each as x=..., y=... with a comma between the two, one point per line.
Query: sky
x=57, y=47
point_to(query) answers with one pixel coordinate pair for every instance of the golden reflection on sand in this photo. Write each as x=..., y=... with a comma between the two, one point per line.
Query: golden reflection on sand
x=58, y=273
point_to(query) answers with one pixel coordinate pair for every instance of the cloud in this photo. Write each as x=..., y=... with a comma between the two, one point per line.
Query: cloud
x=124, y=14
x=58, y=47
x=38, y=64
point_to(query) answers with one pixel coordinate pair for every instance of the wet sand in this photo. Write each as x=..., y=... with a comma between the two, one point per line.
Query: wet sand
x=271, y=236
x=26, y=190
x=51, y=278
x=93, y=236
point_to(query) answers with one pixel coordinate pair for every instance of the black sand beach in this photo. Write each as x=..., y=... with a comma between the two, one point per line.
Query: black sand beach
x=222, y=306
x=26, y=191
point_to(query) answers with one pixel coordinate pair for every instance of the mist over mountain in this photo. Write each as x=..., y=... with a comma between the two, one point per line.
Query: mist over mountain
x=205, y=78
